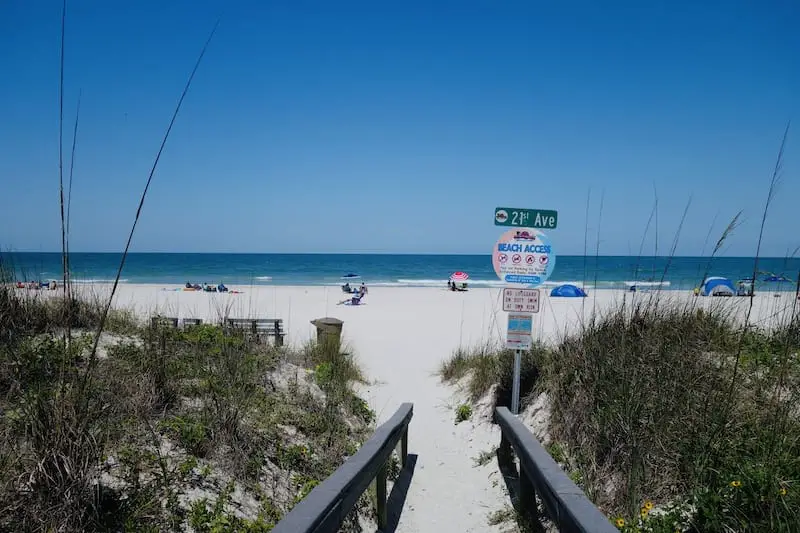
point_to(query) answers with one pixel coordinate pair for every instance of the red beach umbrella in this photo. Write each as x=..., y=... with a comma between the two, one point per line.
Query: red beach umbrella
x=459, y=276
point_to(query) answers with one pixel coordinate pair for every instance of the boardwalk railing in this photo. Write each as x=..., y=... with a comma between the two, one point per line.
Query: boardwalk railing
x=327, y=505
x=565, y=503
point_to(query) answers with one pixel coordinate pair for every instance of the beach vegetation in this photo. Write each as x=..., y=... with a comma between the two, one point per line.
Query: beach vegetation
x=168, y=429
x=677, y=405
x=463, y=412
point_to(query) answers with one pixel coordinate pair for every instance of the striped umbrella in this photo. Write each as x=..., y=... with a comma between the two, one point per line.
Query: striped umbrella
x=459, y=276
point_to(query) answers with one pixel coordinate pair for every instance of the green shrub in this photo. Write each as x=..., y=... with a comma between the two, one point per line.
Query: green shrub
x=463, y=412
x=192, y=433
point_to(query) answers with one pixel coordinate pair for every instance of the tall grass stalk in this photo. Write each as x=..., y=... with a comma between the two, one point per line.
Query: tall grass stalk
x=101, y=325
x=776, y=172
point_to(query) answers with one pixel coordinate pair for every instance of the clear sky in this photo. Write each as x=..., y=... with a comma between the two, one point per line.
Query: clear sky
x=362, y=126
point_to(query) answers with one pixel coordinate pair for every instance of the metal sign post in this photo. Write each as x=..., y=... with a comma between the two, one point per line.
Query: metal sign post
x=519, y=337
x=515, y=386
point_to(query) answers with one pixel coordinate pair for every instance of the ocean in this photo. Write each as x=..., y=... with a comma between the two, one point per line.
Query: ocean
x=384, y=270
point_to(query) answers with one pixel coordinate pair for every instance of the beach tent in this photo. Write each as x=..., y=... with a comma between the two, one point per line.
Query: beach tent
x=568, y=291
x=717, y=286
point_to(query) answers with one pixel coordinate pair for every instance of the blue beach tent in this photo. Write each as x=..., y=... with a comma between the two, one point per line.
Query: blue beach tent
x=568, y=291
x=717, y=286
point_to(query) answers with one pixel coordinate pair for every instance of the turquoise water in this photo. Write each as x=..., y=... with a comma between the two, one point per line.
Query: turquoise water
x=386, y=270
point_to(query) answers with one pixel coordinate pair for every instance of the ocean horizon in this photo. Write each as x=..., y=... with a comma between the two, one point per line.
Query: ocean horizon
x=391, y=270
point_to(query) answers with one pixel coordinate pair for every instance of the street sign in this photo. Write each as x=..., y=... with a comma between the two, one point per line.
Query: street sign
x=524, y=257
x=521, y=300
x=525, y=218
x=518, y=334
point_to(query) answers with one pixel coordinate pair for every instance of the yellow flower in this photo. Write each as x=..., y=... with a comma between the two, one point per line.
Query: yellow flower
x=736, y=484
x=783, y=491
x=620, y=522
x=644, y=512
x=648, y=505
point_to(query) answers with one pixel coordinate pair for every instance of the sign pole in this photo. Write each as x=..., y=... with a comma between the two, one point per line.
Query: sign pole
x=515, y=386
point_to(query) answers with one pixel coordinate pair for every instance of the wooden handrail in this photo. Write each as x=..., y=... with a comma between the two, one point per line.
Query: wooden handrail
x=327, y=505
x=566, y=504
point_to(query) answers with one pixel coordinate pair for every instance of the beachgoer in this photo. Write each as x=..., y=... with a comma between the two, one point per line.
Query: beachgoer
x=363, y=289
x=347, y=287
x=188, y=285
x=53, y=285
x=696, y=291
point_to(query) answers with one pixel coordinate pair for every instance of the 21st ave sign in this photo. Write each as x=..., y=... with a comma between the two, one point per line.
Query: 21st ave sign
x=525, y=218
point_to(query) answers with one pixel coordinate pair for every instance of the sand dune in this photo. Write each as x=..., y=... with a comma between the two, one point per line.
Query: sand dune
x=400, y=336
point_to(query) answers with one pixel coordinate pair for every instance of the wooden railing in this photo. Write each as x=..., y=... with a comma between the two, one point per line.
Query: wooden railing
x=564, y=502
x=327, y=505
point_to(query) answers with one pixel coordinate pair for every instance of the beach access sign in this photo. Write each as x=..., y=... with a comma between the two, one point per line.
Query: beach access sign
x=525, y=218
x=523, y=257
x=521, y=300
x=519, y=333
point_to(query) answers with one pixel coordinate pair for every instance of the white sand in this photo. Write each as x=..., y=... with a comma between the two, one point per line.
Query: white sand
x=400, y=336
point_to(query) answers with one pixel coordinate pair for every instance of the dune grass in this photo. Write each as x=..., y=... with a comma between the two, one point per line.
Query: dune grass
x=176, y=428
x=651, y=408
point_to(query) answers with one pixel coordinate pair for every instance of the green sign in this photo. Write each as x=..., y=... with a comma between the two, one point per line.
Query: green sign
x=525, y=218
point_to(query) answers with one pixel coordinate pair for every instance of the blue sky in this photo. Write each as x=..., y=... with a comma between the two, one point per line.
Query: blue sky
x=397, y=127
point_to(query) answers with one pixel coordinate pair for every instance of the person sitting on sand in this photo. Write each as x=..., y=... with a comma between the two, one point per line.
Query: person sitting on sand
x=188, y=285
x=346, y=287
x=222, y=288
x=355, y=300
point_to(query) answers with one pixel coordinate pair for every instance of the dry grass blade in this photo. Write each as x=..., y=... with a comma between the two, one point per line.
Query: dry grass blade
x=104, y=318
x=729, y=229
x=719, y=430
x=68, y=283
x=64, y=264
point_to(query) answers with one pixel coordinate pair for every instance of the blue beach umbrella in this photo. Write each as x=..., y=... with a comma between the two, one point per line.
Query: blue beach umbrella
x=772, y=278
x=351, y=276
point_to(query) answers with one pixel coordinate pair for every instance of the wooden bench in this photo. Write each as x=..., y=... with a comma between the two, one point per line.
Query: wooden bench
x=164, y=322
x=257, y=328
x=172, y=322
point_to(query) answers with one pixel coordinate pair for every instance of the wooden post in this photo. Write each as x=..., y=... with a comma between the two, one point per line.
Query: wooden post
x=504, y=451
x=527, y=497
x=404, y=448
x=278, y=335
x=380, y=486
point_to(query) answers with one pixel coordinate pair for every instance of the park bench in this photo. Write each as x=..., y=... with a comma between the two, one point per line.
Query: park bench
x=172, y=322
x=257, y=329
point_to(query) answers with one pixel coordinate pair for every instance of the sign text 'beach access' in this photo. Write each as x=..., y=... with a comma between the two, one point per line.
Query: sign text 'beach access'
x=525, y=218
x=523, y=257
